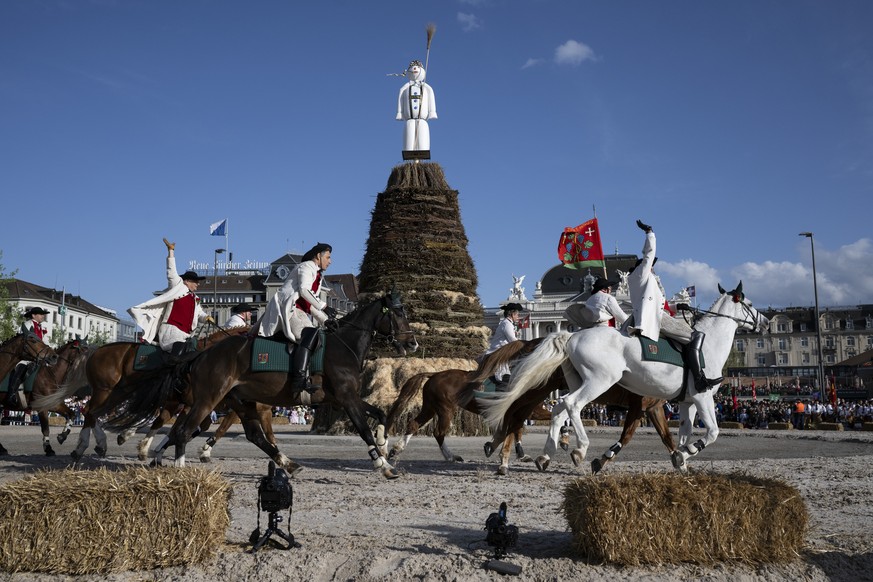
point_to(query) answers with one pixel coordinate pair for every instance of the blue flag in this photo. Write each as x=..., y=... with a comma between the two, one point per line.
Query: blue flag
x=692, y=291
x=218, y=228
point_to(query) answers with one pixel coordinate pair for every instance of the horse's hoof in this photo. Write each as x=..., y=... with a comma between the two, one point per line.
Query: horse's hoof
x=392, y=454
x=501, y=470
x=76, y=455
x=292, y=468
x=596, y=466
x=62, y=437
x=525, y=459
x=390, y=473
x=120, y=439
x=155, y=463
x=142, y=457
x=206, y=459
x=542, y=463
x=489, y=450
x=565, y=444
x=577, y=457
x=519, y=450
x=3, y=451
x=49, y=452
x=101, y=452
x=678, y=461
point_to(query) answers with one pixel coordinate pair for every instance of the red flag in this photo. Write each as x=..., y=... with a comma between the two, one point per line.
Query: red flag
x=754, y=394
x=524, y=323
x=580, y=246
x=833, y=391
x=734, y=395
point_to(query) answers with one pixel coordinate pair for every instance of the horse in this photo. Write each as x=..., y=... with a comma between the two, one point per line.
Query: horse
x=24, y=346
x=529, y=403
x=595, y=359
x=46, y=380
x=108, y=367
x=443, y=393
x=224, y=371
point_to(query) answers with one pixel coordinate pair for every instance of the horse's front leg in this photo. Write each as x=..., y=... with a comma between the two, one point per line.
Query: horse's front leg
x=101, y=447
x=631, y=422
x=46, y=441
x=575, y=403
x=687, y=415
x=379, y=434
x=357, y=412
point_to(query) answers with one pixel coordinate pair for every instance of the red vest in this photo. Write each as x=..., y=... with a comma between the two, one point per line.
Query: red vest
x=301, y=303
x=182, y=314
x=37, y=329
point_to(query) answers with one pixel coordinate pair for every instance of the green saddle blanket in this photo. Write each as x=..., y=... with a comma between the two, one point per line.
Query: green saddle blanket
x=664, y=351
x=29, y=379
x=489, y=390
x=272, y=356
x=148, y=357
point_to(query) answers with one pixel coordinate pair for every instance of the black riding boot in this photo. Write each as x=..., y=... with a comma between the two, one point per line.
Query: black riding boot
x=692, y=359
x=501, y=383
x=16, y=387
x=302, y=354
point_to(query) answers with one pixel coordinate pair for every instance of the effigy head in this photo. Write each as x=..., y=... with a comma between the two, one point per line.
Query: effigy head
x=415, y=71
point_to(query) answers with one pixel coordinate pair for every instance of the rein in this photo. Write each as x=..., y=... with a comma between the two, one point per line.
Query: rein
x=388, y=337
x=751, y=319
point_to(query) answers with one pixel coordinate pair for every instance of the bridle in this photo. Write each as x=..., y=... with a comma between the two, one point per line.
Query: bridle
x=749, y=313
x=29, y=351
x=390, y=337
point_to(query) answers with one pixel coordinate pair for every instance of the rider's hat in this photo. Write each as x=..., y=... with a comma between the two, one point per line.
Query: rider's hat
x=242, y=308
x=191, y=276
x=601, y=284
x=512, y=307
x=31, y=311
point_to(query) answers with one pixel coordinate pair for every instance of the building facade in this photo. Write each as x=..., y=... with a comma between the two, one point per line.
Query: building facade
x=70, y=316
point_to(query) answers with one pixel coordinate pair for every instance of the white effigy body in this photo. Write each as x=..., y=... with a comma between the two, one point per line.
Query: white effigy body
x=415, y=105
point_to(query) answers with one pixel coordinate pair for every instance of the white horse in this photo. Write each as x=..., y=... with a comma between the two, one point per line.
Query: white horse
x=594, y=359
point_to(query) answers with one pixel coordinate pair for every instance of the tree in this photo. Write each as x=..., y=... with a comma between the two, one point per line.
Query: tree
x=8, y=311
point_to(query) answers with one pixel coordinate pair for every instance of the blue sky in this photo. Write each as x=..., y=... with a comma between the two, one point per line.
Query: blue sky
x=730, y=127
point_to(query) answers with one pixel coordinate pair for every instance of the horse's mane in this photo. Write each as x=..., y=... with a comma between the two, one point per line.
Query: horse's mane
x=502, y=355
x=221, y=334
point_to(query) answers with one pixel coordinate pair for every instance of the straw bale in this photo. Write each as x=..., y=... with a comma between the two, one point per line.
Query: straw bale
x=830, y=426
x=82, y=522
x=670, y=518
x=779, y=426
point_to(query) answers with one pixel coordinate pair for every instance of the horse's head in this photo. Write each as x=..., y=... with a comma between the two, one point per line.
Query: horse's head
x=393, y=324
x=733, y=304
x=32, y=348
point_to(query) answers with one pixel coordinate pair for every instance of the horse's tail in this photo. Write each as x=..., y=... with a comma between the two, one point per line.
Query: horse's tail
x=410, y=390
x=75, y=380
x=137, y=404
x=533, y=371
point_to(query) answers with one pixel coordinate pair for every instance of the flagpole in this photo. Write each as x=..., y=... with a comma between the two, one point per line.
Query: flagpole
x=227, y=240
x=594, y=210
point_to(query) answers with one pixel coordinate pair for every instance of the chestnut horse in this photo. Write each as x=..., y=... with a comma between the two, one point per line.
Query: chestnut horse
x=224, y=371
x=107, y=368
x=530, y=401
x=443, y=393
x=50, y=367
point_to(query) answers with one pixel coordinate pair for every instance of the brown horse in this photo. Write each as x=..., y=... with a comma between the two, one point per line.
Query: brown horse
x=443, y=393
x=46, y=381
x=616, y=396
x=24, y=346
x=108, y=368
x=224, y=371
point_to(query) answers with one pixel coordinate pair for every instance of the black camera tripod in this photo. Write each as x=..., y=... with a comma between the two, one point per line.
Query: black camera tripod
x=259, y=540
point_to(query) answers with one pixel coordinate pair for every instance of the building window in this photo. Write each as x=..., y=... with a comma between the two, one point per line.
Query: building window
x=759, y=343
x=870, y=341
x=802, y=327
x=829, y=359
x=762, y=360
x=829, y=324
x=741, y=345
x=869, y=322
x=829, y=342
x=783, y=343
x=804, y=342
x=804, y=358
x=850, y=324
x=850, y=341
x=550, y=328
x=783, y=359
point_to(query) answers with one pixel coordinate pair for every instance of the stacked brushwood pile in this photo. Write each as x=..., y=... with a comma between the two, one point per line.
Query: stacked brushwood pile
x=418, y=243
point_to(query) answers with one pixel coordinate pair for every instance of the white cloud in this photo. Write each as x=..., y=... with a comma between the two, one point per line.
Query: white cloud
x=468, y=22
x=532, y=63
x=574, y=53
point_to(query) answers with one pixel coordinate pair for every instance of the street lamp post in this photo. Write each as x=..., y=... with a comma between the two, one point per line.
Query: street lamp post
x=821, y=386
x=215, y=285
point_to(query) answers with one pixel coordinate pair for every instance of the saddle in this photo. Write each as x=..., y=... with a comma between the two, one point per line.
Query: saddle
x=273, y=355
